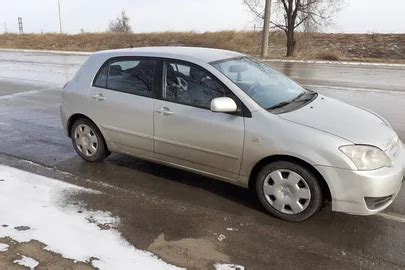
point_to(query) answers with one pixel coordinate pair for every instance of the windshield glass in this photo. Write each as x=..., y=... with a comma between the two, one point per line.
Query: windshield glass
x=269, y=88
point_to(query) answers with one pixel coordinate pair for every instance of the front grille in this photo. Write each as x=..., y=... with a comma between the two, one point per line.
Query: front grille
x=377, y=202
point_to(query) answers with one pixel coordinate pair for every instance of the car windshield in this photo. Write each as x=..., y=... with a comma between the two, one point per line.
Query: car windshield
x=269, y=88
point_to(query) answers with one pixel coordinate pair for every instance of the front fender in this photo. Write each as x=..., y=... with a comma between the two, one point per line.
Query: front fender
x=282, y=137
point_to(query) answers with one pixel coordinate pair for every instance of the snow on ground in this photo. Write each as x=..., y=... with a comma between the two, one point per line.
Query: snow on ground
x=32, y=208
x=3, y=247
x=220, y=266
x=27, y=262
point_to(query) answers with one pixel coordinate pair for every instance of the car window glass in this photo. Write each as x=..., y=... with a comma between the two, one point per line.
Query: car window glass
x=101, y=80
x=263, y=84
x=191, y=85
x=132, y=76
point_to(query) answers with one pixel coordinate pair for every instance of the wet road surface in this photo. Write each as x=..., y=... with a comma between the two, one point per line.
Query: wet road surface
x=193, y=221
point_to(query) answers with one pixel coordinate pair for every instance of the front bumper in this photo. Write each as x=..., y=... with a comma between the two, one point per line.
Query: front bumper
x=364, y=192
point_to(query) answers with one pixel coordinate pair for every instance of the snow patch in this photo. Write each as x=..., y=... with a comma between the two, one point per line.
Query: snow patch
x=39, y=203
x=102, y=218
x=220, y=266
x=3, y=247
x=27, y=262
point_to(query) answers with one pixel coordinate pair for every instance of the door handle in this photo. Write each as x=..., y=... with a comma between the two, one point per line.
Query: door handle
x=99, y=97
x=164, y=111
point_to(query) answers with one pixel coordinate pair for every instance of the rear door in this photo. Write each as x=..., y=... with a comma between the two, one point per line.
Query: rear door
x=187, y=132
x=121, y=102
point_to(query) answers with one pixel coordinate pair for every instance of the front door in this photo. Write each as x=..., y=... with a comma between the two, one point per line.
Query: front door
x=187, y=133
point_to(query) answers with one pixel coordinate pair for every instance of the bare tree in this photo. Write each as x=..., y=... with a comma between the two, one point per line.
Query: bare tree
x=290, y=15
x=120, y=24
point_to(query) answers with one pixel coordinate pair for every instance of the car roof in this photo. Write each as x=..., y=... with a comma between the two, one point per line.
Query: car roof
x=186, y=53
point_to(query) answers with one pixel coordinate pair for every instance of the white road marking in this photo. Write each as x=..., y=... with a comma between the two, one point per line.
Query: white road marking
x=26, y=93
x=47, y=51
x=392, y=216
x=26, y=80
x=335, y=62
x=359, y=89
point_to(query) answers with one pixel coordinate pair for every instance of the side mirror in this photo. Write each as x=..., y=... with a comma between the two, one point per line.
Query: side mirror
x=223, y=105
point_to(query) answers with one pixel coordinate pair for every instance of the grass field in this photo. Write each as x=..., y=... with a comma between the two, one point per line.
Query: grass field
x=354, y=47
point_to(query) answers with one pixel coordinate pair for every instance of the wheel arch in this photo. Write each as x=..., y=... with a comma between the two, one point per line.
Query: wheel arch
x=73, y=118
x=256, y=169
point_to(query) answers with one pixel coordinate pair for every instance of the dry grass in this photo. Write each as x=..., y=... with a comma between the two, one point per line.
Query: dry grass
x=328, y=56
x=364, y=47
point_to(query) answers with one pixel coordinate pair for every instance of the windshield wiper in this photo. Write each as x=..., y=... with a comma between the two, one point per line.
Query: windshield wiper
x=310, y=95
x=279, y=105
x=285, y=103
x=298, y=97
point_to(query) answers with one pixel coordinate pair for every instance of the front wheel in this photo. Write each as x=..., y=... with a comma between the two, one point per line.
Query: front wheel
x=88, y=141
x=289, y=191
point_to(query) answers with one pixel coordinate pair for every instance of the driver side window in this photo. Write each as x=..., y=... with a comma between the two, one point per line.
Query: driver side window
x=191, y=85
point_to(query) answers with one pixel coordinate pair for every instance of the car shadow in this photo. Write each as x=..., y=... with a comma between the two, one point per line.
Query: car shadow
x=133, y=173
x=226, y=190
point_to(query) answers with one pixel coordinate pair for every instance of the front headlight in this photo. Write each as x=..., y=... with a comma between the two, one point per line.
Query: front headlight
x=365, y=157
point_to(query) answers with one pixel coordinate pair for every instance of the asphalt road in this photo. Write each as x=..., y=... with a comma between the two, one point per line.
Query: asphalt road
x=193, y=221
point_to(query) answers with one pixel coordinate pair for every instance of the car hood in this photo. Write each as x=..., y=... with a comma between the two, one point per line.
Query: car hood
x=343, y=120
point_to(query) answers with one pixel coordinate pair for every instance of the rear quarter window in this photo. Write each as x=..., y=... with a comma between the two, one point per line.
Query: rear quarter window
x=101, y=79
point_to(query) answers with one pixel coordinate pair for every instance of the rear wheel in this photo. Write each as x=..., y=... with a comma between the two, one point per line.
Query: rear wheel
x=289, y=191
x=88, y=141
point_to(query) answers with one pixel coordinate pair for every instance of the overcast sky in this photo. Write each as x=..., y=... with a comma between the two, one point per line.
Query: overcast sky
x=364, y=16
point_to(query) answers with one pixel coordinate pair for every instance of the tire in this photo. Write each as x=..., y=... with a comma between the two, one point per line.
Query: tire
x=88, y=141
x=289, y=191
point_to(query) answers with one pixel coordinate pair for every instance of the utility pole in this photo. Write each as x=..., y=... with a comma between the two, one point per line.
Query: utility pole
x=20, y=26
x=60, y=18
x=266, y=29
x=5, y=28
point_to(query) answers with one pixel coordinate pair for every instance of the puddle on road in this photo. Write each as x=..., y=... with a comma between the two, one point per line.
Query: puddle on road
x=22, y=228
x=189, y=253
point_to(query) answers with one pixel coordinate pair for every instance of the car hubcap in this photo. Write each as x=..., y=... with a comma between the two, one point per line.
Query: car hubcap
x=287, y=191
x=86, y=140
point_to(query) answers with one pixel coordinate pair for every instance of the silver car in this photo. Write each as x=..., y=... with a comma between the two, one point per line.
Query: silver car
x=228, y=116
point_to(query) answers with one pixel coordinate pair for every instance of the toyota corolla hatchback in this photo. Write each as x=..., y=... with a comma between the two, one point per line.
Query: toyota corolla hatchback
x=231, y=117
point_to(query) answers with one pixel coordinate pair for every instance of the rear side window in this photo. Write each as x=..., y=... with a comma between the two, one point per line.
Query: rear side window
x=128, y=76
